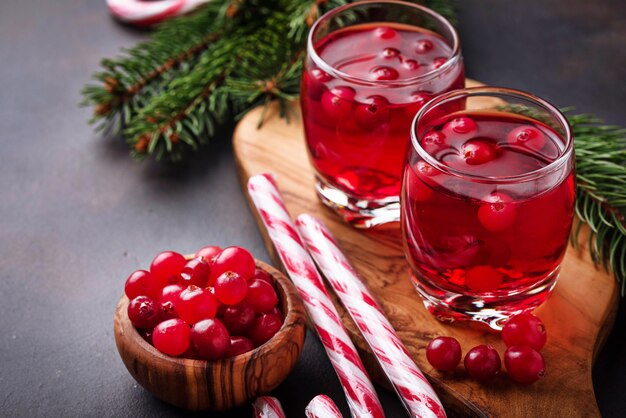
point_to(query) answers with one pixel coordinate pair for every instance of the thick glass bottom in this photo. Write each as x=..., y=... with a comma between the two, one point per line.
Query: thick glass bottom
x=358, y=212
x=490, y=309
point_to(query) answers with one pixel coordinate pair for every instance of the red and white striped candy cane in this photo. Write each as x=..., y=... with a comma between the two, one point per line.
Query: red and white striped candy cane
x=419, y=398
x=145, y=13
x=267, y=407
x=360, y=393
x=322, y=407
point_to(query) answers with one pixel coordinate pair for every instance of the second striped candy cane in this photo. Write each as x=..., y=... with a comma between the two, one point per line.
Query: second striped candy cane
x=419, y=398
x=322, y=407
x=267, y=407
x=360, y=393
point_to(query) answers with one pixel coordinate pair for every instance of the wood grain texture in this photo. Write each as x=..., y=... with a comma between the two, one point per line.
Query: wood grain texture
x=201, y=385
x=578, y=316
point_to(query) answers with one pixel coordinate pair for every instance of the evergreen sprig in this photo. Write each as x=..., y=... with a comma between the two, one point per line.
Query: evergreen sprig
x=166, y=96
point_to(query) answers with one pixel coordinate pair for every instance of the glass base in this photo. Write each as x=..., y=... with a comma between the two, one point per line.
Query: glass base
x=492, y=310
x=357, y=212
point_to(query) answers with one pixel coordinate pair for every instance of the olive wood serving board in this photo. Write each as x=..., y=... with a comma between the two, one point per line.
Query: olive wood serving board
x=578, y=316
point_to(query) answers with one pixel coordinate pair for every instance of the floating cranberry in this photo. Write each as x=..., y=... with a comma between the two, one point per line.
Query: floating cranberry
x=385, y=33
x=315, y=83
x=483, y=278
x=171, y=337
x=196, y=304
x=208, y=252
x=433, y=142
x=482, y=363
x=444, y=353
x=239, y=345
x=384, y=73
x=169, y=299
x=238, y=319
x=390, y=53
x=423, y=45
x=235, y=259
x=524, y=364
x=425, y=169
x=338, y=102
x=478, y=151
x=210, y=339
x=140, y=283
x=439, y=61
x=262, y=275
x=166, y=267
x=195, y=272
x=261, y=296
x=265, y=327
x=231, y=288
x=497, y=213
x=527, y=136
x=411, y=65
x=461, y=125
x=143, y=312
x=524, y=329
x=373, y=113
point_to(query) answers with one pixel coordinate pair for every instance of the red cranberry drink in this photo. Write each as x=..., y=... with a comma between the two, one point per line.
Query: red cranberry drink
x=361, y=88
x=487, y=204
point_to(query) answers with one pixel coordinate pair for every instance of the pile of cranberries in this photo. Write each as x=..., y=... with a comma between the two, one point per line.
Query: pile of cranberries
x=213, y=306
x=524, y=335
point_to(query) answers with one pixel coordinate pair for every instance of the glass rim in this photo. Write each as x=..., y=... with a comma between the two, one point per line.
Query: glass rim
x=329, y=69
x=494, y=92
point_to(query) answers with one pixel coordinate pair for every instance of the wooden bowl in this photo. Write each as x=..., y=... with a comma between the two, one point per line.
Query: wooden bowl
x=202, y=385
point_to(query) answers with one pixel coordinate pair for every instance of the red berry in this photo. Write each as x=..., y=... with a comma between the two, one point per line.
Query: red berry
x=373, y=113
x=171, y=337
x=166, y=267
x=423, y=45
x=444, y=353
x=386, y=33
x=169, y=300
x=524, y=329
x=433, y=142
x=261, y=296
x=315, y=81
x=478, y=151
x=231, y=288
x=337, y=102
x=527, y=136
x=524, y=364
x=461, y=126
x=210, y=339
x=140, y=283
x=262, y=275
x=439, y=61
x=196, y=304
x=235, y=259
x=143, y=312
x=196, y=272
x=483, y=278
x=208, y=252
x=482, y=363
x=497, y=213
x=276, y=311
x=238, y=319
x=411, y=65
x=239, y=345
x=390, y=53
x=265, y=327
x=382, y=72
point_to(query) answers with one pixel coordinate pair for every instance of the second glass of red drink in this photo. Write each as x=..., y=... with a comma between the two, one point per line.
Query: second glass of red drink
x=370, y=67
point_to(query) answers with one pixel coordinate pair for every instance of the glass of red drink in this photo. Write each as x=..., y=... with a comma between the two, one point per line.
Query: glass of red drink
x=370, y=67
x=487, y=202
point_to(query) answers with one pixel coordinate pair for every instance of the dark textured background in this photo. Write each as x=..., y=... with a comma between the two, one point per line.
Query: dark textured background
x=77, y=215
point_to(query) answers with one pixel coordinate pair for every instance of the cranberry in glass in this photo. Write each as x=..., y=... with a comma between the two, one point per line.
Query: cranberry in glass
x=478, y=151
x=423, y=45
x=239, y=345
x=461, y=125
x=497, y=213
x=524, y=364
x=483, y=278
x=385, y=33
x=140, y=283
x=261, y=296
x=231, y=288
x=196, y=304
x=265, y=327
x=527, y=136
x=338, y=102
x=236, y=259
x=482, y=363
x=444, y=353
x=171, y=337
x=524, y=329
x=166, y=267
x=143, y=312
x=210, y=339
x=238, y=319
x=382, y=72
x=372, y=113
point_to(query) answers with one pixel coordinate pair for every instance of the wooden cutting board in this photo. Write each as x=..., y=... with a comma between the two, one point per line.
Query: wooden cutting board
x=578, y=316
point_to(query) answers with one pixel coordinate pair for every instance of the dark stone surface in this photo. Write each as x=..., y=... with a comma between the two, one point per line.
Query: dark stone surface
x=77, y=215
